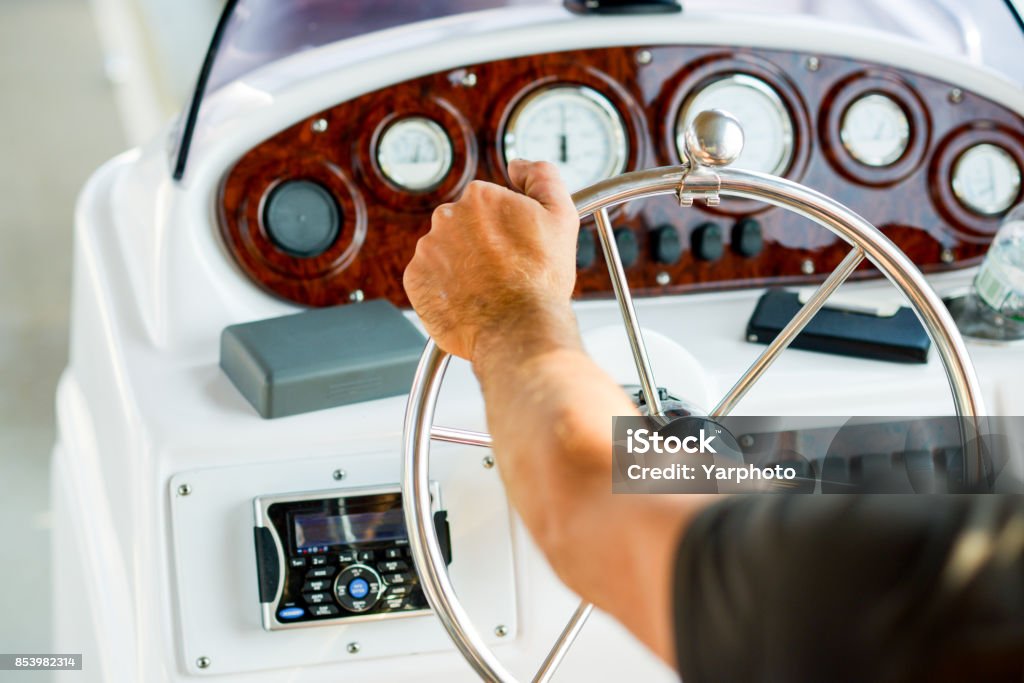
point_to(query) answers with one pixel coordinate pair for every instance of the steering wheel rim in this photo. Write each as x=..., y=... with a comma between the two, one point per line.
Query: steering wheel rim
x=687, y=180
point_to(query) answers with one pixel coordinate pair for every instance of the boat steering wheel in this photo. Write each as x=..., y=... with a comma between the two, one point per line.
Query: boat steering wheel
x=713, y=140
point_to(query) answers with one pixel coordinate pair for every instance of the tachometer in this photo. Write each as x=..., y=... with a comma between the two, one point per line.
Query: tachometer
x=415, y=153
x=574, y=127
x=767, y=125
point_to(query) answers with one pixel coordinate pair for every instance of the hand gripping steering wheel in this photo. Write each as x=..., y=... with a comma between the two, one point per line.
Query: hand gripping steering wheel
x=713, y=140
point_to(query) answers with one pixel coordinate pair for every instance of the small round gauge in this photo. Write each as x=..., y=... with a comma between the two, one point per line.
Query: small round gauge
x=767, y=125
x=415, y=153
x=875, y=130
x=574, y=127
x=986, y=179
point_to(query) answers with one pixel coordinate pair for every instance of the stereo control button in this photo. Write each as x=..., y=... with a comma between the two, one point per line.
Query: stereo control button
x=317, y=585
x=316, y=598
x=358, y=588
x=398, y=591
x=393, y=553
x=394, y=603
x=393, y=566
x=297, y=562
x=289, y=613
x=320, y=573
x=318, y=560
x=365, y=556
x=401, y=577
x=325, y=610
x=347, y=557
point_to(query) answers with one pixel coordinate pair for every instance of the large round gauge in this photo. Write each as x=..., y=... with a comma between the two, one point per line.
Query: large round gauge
x=875, y=130
x=574, y=127
x=767, y=125
x=415, y=153
x=986, y=179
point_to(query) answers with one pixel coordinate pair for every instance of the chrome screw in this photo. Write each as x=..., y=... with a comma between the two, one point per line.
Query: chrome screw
x=352, y=648
x=356, y=296
x=752, y=338
x=203, y=662
x=746, y=441
x=319, y=126
x=947, y=255
x=663, y=278
x=501, y=630
x=184, y=490
x=339, y=475
x=488, y=462
x=813, y=64
x=807, y=266
x=469, y=79
x=956, y=95
x=644, y=57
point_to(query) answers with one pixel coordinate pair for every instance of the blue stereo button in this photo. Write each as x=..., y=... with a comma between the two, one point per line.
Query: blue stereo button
x=291, y=613
x=358, y=588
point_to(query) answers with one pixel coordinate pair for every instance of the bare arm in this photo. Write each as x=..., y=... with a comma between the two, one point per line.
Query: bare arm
x=492, y=283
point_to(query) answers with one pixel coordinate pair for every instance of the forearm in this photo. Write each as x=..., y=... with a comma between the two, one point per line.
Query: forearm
x=614, y=550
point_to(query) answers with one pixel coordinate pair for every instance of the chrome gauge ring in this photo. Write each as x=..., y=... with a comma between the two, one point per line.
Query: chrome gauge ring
x=711, y=145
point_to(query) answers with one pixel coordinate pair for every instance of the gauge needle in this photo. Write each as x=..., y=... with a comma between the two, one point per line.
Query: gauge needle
x=563, y=146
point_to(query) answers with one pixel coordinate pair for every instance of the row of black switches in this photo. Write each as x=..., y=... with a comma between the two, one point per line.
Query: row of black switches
x=707, y=243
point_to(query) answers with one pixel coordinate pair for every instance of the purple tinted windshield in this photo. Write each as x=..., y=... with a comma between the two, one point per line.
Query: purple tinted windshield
x=254, y=33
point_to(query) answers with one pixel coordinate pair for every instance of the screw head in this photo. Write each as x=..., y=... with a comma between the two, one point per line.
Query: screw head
x=319, y=125
x=956, y=95
x=184, y=490
x=644, y=57
x=807, y=267
x=468, y=80
x=352, y=648
x=356, y=296
x=746, y=441
x=714, y=138
x=339, y=474
x=488, y=462
x=663, y=278
x=203, y=662
x=813, y=64
x=501, y=630
x=947, y=255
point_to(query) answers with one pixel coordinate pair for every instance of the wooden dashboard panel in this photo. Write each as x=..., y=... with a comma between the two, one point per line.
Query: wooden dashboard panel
x=911, y=201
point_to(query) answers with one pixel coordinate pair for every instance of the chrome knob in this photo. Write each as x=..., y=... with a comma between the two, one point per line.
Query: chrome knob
x=714, y=138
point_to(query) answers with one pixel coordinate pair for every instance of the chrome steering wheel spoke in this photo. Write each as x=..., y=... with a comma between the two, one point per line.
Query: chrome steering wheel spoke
x=712, y=142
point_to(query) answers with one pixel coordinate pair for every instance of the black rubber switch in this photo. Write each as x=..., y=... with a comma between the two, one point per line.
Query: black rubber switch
x=747, y=238
x=629, y=250
x=301, y=218
x=586, y=249
x=667, y=245
x=707, y=242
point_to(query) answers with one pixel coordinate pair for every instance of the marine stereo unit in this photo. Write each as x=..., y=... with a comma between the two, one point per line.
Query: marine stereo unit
x=331, y=557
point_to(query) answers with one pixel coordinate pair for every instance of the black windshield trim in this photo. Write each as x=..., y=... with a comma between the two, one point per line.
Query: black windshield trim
x=188, y=129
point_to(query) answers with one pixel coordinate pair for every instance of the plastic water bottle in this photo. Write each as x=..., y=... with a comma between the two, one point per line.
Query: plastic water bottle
x=1000, y=280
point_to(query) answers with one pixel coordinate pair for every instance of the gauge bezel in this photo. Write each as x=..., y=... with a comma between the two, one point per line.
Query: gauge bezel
x=960, y=192
x=620, y=142
x=762, y=87
x=850, y=145
x=437, y=131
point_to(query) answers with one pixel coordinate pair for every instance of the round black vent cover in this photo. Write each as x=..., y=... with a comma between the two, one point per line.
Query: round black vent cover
x=301, y=218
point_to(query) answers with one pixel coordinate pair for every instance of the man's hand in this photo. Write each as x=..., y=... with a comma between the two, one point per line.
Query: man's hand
x=496, y=259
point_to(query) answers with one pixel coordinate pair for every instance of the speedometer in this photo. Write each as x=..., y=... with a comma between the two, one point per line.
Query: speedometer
x=767, y=125
x=574, y=127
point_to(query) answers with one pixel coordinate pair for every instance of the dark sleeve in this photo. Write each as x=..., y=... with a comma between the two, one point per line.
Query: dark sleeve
x=844, y=588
